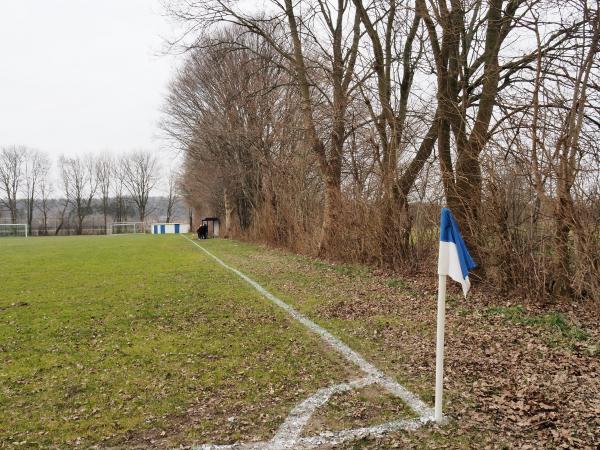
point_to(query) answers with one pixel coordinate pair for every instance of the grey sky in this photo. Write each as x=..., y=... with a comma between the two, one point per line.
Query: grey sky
x=82, y=76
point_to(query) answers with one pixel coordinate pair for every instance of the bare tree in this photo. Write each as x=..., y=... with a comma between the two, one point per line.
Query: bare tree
x=36, y=167
x=569, y=155
x=104, y=175
x=45, y=191
x=467, y=44
x=11, y=175
x=62, y=214
x=80, y=185
x=172, y=195
x=118, y=190
x=222, y=113
x=320, y=61
x=564, y=134
x=501, y=95
x=389, y=111
x=139, y=177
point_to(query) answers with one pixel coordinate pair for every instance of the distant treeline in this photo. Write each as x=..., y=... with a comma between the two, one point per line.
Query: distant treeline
x=94, y=221
x=91, y=191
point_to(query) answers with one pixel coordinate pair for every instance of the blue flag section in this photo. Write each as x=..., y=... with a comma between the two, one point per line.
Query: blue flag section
x=454, y=259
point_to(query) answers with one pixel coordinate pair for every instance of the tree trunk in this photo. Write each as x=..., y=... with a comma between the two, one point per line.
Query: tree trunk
x=79, y=230
x=45, y=223
x=331, y=215
x=29, y=212
x=13, y=209
x=105, y=211
x=562, y=256
x=465, y=197
x=228, y=203
x=396, y=219
x=396, y=228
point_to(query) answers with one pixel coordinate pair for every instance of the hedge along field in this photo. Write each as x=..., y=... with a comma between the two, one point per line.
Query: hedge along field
x=142, y=340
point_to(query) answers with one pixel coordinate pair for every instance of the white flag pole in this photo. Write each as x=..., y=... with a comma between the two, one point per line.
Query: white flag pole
x=439, y=352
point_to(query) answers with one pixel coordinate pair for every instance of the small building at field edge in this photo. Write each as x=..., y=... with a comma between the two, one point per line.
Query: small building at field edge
x=213, y=224
x=169, y=228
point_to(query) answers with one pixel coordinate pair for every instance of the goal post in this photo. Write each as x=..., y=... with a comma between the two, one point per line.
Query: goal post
x=14, y=230
x=127, y=227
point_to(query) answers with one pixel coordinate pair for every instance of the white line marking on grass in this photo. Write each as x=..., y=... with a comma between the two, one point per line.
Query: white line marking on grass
x=288, y=435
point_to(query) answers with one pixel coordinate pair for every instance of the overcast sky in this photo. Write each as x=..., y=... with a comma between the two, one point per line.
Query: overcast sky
x=81, y=76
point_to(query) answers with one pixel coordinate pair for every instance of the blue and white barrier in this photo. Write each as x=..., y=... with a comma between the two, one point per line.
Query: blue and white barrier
x=169, y=228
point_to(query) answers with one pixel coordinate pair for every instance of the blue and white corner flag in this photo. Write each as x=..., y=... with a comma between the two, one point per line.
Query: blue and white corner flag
x=454, y=259
x=455, y=262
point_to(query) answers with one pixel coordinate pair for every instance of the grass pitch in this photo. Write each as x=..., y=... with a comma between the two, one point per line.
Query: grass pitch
x=143, y=340
x=146, y=342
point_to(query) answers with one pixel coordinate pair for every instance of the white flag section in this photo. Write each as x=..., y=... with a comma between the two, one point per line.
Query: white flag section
x=453, y=261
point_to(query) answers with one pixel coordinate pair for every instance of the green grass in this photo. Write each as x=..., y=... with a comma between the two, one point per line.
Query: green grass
x=144, y=341
x=396, y=283
x=554, y=321
x=312, y=286
x=127, y=340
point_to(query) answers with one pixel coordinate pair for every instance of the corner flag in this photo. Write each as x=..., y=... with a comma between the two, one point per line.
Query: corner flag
x=454, y=259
